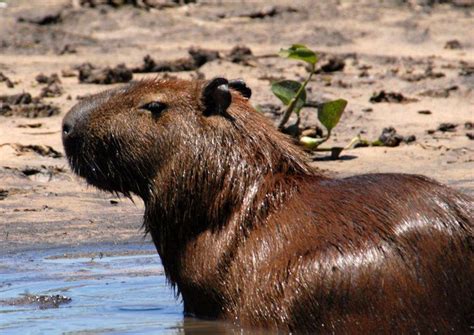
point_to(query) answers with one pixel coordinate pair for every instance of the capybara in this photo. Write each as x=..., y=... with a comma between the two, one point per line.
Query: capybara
x=248, y=232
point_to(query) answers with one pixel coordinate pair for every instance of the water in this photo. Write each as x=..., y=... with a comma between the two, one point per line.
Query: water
x=113, y=290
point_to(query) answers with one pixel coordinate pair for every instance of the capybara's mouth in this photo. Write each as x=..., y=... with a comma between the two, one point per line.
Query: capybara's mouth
x=80, y=164
x=91, y=160
x=83, y=160
x=72, y=147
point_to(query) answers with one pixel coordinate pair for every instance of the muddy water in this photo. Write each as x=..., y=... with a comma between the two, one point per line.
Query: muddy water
x=106, y=289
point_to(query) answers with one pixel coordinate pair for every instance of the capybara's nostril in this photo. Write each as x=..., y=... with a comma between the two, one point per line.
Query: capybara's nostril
x=66, y=129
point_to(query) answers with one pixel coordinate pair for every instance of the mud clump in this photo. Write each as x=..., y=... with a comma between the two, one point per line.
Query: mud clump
x=425, y=112
x=467, y=69
x=16, y=99
x=42, y=301
x=453, y=44
x=262, y=13
x=24, y=105
x=178, y=65
x=390, y=138
x=33, y=110
x=48, y=171
x=391, y=97
x=333, y=64
x=6, y=80
x=447, y=127
x=44, y=79
x=432, y=3
x=203, y=56
x=3, y=194
x=429, y=73
x=53, y=88
x=241, y=54
x=42, y=150
x=42, y=19
x=90, y=74
x=142, y=4
x=440, y=92
x=30, y=125
x=197, y=58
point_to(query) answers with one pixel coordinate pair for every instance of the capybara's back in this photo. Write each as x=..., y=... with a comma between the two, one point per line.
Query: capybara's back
x=249, y=233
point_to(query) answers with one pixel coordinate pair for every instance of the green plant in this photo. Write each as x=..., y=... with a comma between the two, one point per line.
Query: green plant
x=293, y=95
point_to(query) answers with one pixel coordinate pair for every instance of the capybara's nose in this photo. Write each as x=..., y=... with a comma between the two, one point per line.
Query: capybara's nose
x=72, y=123
x=68, y=125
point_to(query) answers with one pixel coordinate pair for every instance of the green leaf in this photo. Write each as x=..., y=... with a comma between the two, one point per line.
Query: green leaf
x=329, y=113
x=299, y=52
x=286, y=90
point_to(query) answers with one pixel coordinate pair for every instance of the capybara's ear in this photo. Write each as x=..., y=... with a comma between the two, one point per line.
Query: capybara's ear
x=216, y=96
x=240, y=86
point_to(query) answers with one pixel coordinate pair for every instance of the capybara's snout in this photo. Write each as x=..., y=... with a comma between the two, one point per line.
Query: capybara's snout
x=71, y=123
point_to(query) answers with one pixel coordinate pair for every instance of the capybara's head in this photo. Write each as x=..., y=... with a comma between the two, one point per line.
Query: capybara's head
x=124, y=140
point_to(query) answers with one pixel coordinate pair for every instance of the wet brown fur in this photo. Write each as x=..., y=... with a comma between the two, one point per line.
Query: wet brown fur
x=247, y=232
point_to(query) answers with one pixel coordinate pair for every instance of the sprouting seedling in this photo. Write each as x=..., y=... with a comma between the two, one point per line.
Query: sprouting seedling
x=293, y=95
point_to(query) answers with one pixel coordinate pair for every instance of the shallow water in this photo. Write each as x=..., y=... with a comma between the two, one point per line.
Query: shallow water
x=115, y=289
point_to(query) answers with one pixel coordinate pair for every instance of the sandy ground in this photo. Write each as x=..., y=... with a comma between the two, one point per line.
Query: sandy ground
x=394, y=46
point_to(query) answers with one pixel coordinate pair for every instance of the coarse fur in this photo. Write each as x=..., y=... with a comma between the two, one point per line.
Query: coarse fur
x=248, y=232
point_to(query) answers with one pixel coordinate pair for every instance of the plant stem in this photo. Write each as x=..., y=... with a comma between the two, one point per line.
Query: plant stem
x=326, y=138
x=292, y=104
x=312, y=104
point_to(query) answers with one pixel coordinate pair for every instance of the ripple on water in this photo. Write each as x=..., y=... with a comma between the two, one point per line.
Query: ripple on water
x=109, y=289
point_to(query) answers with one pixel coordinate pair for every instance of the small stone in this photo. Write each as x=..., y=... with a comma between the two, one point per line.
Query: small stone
x=409, y=139
x=453, y=44
x=447, y=127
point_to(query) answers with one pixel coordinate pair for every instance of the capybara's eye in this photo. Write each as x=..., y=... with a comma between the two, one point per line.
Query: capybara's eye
x=155, y=107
